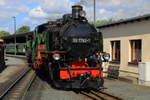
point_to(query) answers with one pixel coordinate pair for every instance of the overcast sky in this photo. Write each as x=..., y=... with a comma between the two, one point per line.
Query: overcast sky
x=35, y=12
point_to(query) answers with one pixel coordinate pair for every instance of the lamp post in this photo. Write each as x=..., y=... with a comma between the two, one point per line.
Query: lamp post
x=14, y=18
x=94, y=12
x=94, y=9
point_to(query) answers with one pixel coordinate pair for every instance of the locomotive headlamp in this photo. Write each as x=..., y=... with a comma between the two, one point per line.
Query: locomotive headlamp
x=56, y=56
x=106, y=56
x=82, y=13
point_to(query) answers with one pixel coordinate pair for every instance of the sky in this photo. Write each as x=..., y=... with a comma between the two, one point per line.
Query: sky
x=35, y=12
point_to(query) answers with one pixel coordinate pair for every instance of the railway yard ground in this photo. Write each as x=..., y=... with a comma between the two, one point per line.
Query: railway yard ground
x=37, y=87
x=13, y=66
x=127, y=91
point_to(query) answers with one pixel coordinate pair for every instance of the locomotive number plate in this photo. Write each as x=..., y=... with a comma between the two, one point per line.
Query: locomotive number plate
x=81, y=40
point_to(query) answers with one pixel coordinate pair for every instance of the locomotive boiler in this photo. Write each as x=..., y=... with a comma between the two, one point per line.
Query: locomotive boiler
x=68, y=50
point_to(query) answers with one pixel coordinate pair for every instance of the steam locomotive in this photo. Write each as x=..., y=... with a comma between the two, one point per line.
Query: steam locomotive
x=68, y=50
x=2, y=61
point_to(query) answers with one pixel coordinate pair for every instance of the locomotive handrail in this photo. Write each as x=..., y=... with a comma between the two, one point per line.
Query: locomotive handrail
x=56, y=51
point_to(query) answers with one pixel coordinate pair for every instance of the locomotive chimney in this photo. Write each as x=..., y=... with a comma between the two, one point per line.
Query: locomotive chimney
x=76, y=9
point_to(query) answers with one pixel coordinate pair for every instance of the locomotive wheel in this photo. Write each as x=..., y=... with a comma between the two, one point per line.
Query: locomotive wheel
x=51, y=77
x=50, y=73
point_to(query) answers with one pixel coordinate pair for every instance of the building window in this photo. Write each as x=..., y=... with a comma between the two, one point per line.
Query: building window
x=136, y=52
x=115, y=47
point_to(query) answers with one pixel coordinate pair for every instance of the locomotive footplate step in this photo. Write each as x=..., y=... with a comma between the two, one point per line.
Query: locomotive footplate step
x=127, y=91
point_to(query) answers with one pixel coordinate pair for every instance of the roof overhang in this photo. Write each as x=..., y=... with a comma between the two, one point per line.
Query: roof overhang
x=129, y=20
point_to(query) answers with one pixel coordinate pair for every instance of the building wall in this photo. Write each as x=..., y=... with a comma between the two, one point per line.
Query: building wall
x=125, y=33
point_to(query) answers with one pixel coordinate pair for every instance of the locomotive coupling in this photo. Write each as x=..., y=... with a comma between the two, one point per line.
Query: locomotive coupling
x=88, y=81
x=84, y=79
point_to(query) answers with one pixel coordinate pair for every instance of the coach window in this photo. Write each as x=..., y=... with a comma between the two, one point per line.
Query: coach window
x=136, y=51
x=115, y=53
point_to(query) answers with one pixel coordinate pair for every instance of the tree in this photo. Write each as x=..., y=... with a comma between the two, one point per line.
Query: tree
x=101, y=22
x=23, y=29
x=4, y=33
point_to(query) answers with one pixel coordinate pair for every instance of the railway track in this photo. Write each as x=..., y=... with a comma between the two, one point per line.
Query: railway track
x=18, y=88
x=100, y=95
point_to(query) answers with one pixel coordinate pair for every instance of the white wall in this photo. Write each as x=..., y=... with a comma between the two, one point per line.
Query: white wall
x=125, y=33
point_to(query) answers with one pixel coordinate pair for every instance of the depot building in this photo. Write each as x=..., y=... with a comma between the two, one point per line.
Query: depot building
x=128, y=42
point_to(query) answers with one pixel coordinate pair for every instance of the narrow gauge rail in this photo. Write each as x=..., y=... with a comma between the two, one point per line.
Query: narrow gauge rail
x=100, y=95
x=19, y=87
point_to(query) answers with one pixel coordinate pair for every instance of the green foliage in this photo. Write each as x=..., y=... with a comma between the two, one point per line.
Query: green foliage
x=23, y=29
x=101, y=41
x=101, y=22
x=4, y=33
x=41, y=38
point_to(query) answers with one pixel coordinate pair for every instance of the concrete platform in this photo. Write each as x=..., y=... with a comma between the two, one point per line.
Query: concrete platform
x=14, y=65
x=126, y=90
x=12, y=60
